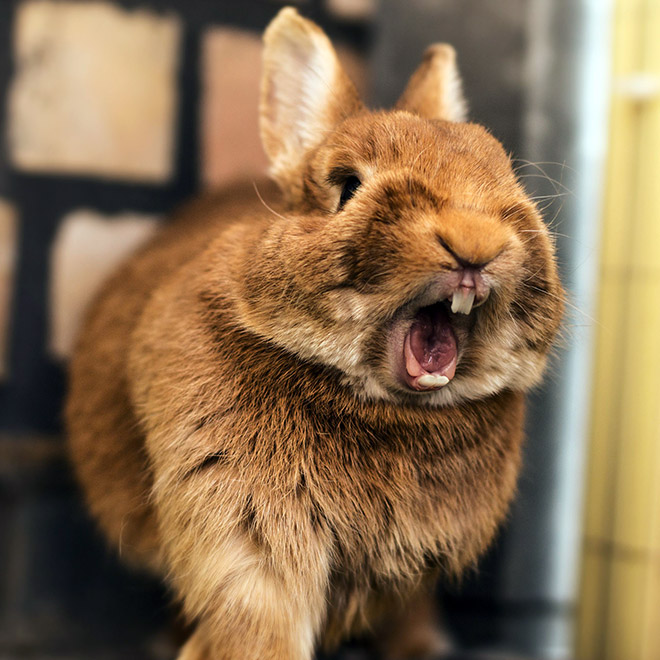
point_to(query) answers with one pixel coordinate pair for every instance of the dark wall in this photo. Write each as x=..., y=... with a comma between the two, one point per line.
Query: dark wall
x=490, y=40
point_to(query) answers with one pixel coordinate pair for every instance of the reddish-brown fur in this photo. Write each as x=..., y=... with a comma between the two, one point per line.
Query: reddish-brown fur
x=235, y=416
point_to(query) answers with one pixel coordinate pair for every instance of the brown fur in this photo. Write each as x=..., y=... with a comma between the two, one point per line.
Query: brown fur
x=234, y=415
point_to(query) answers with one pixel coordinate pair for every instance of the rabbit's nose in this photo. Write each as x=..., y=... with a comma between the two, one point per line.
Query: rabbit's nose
x=472, y=238
x=470, y=289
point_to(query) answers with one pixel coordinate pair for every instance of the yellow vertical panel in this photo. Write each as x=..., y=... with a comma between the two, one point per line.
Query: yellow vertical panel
x=620, y=173
x=619, y=609
x=625, y=611
x=638, y=478
x=601, y=467
x=620, y=179
x=647, y=261
x=654, y=519
x=651, y=632
x=641, y=420
x=647, y=245
x=595, y=565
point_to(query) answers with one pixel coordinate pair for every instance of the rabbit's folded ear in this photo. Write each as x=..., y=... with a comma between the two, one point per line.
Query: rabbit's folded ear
x=304, y=94
x=435, y=89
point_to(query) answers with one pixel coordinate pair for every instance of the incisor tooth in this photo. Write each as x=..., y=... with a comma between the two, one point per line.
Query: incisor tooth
x=462, y=301
x=429, y=380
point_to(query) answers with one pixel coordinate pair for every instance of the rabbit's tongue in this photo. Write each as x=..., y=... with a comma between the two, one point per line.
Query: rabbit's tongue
x=430, y=349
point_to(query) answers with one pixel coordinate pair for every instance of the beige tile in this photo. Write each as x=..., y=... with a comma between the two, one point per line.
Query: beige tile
x=94, y=90
x=87, y=249
x=231, y=72
x=8, y=236
x=231, y=69
x=352, y=10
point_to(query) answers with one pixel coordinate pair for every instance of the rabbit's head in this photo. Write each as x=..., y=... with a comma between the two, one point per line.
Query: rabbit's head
x=407, y=254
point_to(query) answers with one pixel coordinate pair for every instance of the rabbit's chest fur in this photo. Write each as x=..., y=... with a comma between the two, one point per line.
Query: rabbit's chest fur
x=298, y=461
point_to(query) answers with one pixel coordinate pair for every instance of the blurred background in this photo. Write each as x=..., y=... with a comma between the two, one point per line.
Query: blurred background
x=112, y=112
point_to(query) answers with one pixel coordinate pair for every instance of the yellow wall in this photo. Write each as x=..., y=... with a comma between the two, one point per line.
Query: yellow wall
x=619, y=613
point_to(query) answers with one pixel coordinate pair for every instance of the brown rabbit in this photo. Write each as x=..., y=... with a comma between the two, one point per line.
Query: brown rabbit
x=300, y=415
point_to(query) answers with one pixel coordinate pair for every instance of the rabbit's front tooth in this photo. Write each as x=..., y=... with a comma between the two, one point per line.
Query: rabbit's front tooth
x=429, y=380
x=462, y=301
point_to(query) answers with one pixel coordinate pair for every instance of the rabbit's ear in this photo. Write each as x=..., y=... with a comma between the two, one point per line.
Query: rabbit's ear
x=304, y=93
x=435, y=89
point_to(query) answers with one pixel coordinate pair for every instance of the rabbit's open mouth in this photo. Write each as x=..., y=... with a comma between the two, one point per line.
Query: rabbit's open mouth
x=430, y=349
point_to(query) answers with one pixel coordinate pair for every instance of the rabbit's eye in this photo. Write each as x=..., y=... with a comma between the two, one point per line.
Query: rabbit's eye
x=351, y=184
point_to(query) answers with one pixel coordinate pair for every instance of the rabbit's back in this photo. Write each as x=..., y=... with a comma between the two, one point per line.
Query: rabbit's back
x=106, y=439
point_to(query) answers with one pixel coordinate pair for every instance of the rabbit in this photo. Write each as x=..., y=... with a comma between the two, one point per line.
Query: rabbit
x=302, y=406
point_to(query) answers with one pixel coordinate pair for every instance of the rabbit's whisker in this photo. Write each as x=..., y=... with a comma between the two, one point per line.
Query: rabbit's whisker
x=263, y=201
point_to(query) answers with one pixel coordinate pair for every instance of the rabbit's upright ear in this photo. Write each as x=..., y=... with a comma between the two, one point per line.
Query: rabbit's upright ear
x=304, y=94
x=435, y=89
